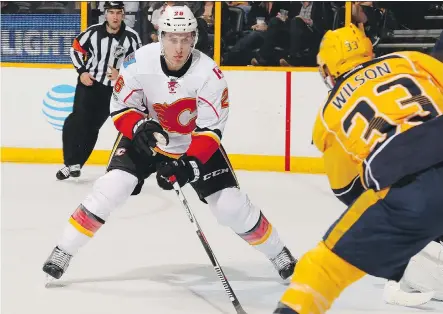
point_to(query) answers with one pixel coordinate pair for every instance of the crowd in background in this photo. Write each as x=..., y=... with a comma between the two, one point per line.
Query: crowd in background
x=289, y=33
x=268, y=33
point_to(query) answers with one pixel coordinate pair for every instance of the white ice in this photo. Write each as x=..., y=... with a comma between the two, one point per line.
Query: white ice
x=147, y=258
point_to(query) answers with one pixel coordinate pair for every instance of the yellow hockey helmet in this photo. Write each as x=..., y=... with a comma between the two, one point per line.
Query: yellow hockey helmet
x=343, y=49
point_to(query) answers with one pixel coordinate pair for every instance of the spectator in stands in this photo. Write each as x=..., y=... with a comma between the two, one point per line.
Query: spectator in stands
x=9, y=7
x=159, y=8
x=277, y=34
x=207, y=14
x=437, y=52
x=307, y=30
x=408, y=15
x=368, y=16
x=205, y=11
x=309, y=22
x=258, y=20
x=152, y=12
x=244, y=5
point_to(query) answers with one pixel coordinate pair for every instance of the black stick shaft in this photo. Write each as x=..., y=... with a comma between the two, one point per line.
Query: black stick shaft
x=209, y=252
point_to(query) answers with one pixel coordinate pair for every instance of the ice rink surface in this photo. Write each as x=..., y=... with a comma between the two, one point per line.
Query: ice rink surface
x=147, y=257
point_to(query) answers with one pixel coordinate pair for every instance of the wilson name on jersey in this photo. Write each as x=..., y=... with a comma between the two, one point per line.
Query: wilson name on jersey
x=192, y=108
x=382, y=121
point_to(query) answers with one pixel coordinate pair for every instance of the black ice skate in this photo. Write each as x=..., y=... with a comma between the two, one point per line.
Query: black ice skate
x=57, y=263
x=68, y=171
x=284, y=262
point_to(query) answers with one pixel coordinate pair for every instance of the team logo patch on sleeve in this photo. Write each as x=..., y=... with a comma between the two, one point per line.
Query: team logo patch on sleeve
x=225, y=99
x=218, y=72
x=119, y=84
x=129, y=60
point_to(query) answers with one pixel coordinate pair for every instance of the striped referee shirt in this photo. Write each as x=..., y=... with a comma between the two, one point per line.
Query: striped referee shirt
x=95, y=49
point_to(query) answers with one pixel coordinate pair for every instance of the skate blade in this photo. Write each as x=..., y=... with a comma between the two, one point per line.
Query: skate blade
x=51, y=282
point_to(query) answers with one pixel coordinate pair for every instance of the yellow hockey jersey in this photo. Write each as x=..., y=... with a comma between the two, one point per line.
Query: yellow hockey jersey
x=381, y=122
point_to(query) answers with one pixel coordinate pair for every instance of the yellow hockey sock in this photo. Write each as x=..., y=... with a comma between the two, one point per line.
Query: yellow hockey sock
x=319, y=278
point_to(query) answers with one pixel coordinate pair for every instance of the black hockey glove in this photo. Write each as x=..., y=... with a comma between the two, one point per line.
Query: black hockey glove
x=185, y=169
x=146, y=134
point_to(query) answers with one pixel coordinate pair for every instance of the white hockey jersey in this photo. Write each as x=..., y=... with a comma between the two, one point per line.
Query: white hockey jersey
x=192, y=108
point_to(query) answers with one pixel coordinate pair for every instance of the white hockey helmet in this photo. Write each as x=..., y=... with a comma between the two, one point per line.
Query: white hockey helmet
x=178, y=19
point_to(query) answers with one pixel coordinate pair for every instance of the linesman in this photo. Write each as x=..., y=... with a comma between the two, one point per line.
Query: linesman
x=97, y=54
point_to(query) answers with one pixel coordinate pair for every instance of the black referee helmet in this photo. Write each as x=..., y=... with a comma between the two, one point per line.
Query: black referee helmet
x=114, y=5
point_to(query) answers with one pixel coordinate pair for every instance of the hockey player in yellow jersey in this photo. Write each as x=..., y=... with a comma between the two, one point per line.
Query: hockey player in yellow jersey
x=381, y=135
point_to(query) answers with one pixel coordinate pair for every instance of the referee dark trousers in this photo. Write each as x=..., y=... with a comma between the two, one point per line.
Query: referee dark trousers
x=81, y=128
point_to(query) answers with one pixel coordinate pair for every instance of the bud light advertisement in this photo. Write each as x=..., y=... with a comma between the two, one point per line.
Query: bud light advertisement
x=38, y=38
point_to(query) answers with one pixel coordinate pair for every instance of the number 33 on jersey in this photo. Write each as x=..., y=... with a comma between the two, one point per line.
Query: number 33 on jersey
x=375, y=118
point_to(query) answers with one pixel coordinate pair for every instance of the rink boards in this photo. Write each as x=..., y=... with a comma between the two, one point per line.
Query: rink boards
x=269, y=128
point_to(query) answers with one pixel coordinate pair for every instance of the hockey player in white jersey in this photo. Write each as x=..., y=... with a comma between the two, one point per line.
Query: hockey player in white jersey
x=170, y=105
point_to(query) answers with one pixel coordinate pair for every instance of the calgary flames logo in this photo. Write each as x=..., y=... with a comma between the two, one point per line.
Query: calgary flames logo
x=178, y=117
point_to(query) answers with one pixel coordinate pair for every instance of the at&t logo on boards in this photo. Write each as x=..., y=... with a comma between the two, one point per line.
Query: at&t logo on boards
x=57, y=105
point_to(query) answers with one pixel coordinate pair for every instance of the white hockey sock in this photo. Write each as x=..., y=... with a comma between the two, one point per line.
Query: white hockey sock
x=264, y=237
x=233, y=208
x=109, y=191
x=72, y=240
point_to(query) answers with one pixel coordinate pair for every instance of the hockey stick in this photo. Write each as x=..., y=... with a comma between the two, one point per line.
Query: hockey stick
x=208, y=249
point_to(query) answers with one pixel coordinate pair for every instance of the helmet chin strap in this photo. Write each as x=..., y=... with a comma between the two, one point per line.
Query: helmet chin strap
x=329, y=82
x=327, y=78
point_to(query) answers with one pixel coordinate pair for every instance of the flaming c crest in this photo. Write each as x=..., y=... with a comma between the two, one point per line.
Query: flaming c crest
x=178, y=117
